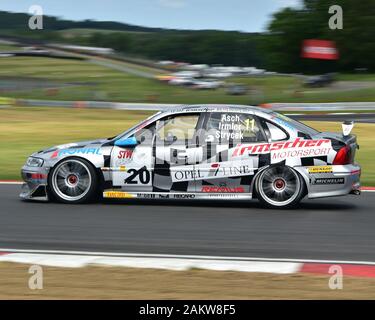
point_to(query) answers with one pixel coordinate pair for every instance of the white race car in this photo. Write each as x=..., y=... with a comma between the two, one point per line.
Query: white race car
x=201, y=152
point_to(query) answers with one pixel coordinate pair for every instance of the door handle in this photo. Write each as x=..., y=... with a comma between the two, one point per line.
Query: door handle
x=209, y=138
x=182, y=156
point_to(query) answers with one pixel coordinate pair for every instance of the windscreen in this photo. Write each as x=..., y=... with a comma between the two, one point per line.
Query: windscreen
x=139, y=125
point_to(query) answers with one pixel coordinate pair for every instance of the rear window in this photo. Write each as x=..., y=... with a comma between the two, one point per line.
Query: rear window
x=276, y=134
x=299, y=126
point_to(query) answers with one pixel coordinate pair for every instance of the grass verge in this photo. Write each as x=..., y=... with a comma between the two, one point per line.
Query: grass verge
x=96, y=282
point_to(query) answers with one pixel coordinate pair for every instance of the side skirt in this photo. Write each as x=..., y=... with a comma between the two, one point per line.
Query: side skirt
x=116, y=194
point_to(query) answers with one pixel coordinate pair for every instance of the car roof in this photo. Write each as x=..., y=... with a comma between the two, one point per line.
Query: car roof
x=216, y=108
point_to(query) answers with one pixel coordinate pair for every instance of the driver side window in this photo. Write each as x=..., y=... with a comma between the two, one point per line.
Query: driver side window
x=180, y=128
x=144, y=136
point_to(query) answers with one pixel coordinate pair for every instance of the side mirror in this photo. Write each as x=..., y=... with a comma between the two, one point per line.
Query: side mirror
x=128, y=142
x=347, y=127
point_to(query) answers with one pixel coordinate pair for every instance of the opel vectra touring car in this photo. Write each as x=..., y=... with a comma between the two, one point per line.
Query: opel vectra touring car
x=201, y=152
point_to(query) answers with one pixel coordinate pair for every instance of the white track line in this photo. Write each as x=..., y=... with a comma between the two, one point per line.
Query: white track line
x=79, y=261
x=182, y=257
x=70, y=259
x=11, y=182
x=341, y=113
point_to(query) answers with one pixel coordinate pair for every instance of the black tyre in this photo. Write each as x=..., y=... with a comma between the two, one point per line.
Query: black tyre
x=279, y=187
x=73, y=180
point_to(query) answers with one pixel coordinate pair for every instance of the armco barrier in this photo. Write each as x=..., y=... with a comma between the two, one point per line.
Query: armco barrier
x=297, y=107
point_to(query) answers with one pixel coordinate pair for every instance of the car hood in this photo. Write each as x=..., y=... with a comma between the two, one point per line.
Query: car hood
x=74, y=145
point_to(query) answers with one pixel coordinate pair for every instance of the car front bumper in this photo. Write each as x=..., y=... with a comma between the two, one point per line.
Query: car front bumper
x=35, y=183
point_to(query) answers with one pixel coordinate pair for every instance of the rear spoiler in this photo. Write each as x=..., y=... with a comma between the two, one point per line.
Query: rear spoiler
x=347, y=127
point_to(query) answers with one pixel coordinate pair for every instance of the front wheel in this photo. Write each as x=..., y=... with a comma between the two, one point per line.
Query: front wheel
x=73, y=181
x=280, y=187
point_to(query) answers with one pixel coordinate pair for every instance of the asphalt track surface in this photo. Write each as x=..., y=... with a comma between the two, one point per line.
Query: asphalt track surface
x=339, y=228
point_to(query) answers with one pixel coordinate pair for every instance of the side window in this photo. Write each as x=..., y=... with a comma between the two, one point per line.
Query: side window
x=237, y=127
x=144, y=136
x=275, y=133
x=177, y=128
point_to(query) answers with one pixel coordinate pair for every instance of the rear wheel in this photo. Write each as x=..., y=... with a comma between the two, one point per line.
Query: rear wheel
x=280, y=187
x=73, y=181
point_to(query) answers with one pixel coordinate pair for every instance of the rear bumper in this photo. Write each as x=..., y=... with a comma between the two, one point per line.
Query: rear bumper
x=35, y=184
x=341, y=180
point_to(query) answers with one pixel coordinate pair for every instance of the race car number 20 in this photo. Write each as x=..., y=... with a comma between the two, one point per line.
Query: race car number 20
x=144, y=176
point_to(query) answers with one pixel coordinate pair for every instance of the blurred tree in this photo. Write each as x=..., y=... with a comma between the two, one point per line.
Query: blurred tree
x=278, y=49
x=281, y=45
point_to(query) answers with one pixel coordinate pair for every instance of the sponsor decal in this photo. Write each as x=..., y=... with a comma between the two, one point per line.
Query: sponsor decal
x=125, y=154
x=325, y=181
x=146, y=195
x=213, y=170
x=300, y=153
x=114, y=169
x=121, y=162
x=183, y=196
x=123, y=157
x=84, y=151
x=286, y=149
x=223, y=195
x=321, y=169
x=214, y=189
x=117, y=195
x=165, y=196
x=283, y=123
x=187, y=174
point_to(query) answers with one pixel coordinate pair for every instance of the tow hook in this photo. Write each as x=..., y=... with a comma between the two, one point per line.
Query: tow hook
x=356, y=192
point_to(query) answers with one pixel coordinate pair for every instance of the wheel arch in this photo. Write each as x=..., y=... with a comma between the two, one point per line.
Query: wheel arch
x=305, y=178
x=253, y=181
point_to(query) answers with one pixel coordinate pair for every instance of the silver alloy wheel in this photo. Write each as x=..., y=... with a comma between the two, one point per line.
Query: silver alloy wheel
x=279, y=186
x=71, y=180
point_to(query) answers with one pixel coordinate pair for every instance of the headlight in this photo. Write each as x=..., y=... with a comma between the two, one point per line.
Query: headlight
x=34, y=162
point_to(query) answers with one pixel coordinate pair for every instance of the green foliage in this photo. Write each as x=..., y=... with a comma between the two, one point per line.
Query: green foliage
x=278, y=49
x=19, y=21
x=289, y=27
x=211, y=47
